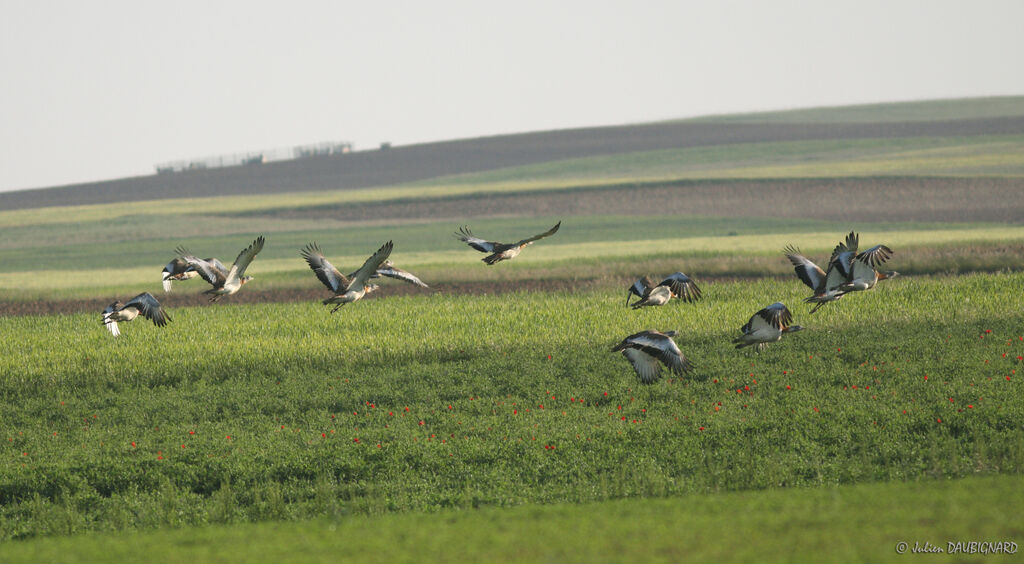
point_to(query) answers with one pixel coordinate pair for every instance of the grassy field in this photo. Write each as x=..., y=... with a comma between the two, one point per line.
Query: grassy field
x=841, y=524
x=493, y=398
x=290, y=408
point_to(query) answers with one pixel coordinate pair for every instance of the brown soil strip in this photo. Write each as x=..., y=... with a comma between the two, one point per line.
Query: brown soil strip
x=186, y=298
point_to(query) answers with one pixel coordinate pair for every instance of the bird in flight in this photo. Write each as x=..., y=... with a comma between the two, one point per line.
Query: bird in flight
x=677, y=285
x=500, y=251
x=229, y=282
x=144, y=304
x=347, y=289
x=766, y=326
x=648, y=350
x=826, y=284
x=864, y=273
x=179, y=270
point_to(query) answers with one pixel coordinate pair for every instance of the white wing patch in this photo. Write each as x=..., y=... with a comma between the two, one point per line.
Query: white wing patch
x=646, y=366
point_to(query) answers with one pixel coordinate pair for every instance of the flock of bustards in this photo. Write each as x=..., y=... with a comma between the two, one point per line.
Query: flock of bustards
x=849, y=270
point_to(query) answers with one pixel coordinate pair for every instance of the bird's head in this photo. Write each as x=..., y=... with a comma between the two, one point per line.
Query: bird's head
x=792, y=329
x=882, y=275
x=245, y=279
x=370, y=288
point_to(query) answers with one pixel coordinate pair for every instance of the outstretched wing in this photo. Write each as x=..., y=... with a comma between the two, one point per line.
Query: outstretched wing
x=387, y=268
x=150, y=308
x=371, y=265
x=206, y=271
x=324, y=270
x=647, y=348
x=875, y=256
x=810, y=273
x=466, y=236
x=844, y=254
x=218, y=265
x=244, y=258
x=540, y=236
x=682, y=286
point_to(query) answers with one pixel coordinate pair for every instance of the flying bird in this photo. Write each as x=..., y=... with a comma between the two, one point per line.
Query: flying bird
x=826, y=285
x=648, y=350
x=766, y=326
x=677, y=285
x=500, y=251
x=347, y=289
x=650, y=296
x=864, y=273
x=179, y=269
x=144, y=304
x=226, y=282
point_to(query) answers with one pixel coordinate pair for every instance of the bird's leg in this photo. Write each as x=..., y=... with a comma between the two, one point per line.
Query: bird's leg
x=337, y=307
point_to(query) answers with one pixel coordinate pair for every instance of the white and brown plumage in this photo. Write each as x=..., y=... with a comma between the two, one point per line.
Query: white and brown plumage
x=179, y=269
x=144, y=304
x=650, y=295
x=648, y=350
x=677, y=285
x=346, y=290
x=500, y=251
x=226, y=283
x=864, y=273
x=826, y=285
x=767, y=326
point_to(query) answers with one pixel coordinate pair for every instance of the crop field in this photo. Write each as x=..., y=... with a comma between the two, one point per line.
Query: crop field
x=485, y=417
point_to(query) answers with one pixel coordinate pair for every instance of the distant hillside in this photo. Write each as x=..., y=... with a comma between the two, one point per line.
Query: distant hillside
x=928, y=110
x=430, y=160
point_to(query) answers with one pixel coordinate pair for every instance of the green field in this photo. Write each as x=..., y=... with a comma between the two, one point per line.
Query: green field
x=493, y=398
x=846, y=523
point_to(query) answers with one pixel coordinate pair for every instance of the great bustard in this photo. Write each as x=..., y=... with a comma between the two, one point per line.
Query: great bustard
x=226, y=283
x=766, y=326
x=345, y=290
x=144, y=304
x=865, y=274
x=677, y=285
x=179, y=269
x=500, y=251
x=826, y=285
x=648, y=350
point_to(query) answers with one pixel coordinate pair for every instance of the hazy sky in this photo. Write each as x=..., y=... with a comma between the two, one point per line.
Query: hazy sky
x=99, y=90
